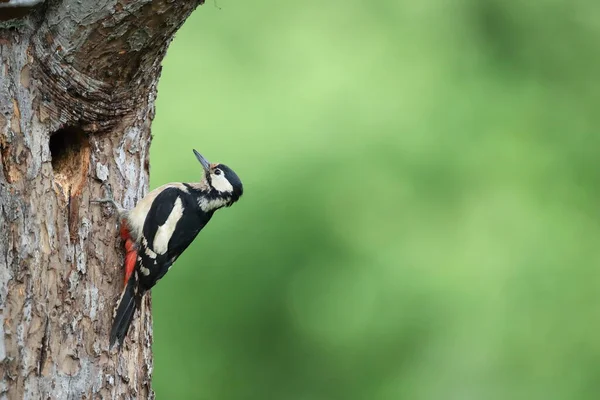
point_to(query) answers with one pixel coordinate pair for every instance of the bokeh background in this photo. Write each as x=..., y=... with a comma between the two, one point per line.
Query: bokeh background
x=421, y=214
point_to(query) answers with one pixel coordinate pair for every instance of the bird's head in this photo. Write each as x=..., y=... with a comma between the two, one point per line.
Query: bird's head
x=223, y=183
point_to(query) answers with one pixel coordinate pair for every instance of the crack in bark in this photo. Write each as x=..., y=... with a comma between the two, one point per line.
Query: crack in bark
x=73, y=219
x=44, y=347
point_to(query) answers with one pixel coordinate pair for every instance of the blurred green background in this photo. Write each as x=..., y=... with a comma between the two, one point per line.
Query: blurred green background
x=421, y=215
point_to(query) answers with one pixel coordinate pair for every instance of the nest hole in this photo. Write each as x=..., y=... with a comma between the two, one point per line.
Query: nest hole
x=70, y=151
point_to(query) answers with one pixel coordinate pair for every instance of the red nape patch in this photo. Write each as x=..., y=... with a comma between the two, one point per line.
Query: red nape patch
x=130, y=258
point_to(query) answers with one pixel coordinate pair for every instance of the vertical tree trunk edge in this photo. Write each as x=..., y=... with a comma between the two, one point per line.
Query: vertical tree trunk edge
x=77, y=90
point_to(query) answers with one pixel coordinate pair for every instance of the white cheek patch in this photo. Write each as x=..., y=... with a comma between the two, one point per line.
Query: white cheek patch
x=165, y=231
x=221, y=183
x=213, y=204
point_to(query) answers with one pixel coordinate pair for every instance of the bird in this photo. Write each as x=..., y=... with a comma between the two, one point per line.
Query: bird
x=160, y=228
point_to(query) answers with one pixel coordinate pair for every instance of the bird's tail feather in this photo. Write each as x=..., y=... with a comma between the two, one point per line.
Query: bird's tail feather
x=130, y=300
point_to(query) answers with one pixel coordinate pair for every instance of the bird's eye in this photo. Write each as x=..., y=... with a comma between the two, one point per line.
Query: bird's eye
x=217, y=172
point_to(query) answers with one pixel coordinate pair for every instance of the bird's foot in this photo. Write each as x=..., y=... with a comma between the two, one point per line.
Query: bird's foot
x=109, y=199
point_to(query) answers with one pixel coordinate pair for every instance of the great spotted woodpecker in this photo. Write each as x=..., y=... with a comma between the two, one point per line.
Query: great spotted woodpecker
x=161, y=226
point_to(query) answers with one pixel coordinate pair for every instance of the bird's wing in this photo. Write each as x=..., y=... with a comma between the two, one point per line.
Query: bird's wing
x=170, y=227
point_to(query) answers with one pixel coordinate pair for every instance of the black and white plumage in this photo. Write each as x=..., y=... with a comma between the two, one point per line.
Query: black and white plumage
x=161, y=226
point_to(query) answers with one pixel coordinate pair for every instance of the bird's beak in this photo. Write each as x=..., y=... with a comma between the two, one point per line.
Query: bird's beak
x=204, y=162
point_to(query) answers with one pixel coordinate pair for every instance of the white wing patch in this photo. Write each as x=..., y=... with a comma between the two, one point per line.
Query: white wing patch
x=221, y=183
x=165, y=231
x=150, y=253
x=137, y=215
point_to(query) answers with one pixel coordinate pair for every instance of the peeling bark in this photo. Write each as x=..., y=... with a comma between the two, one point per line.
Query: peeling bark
x=77, y=89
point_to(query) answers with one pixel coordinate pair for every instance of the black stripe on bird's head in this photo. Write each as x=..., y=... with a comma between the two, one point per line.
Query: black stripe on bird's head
x=225, y=181
x=222, y=180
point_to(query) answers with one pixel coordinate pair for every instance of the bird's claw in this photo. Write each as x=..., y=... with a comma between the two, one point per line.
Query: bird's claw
x=109, y=199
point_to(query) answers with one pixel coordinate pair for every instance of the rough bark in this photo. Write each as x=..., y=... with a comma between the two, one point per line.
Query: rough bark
x=77, y=89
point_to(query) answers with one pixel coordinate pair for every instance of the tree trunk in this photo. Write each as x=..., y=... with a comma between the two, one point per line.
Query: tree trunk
x=77, y=88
